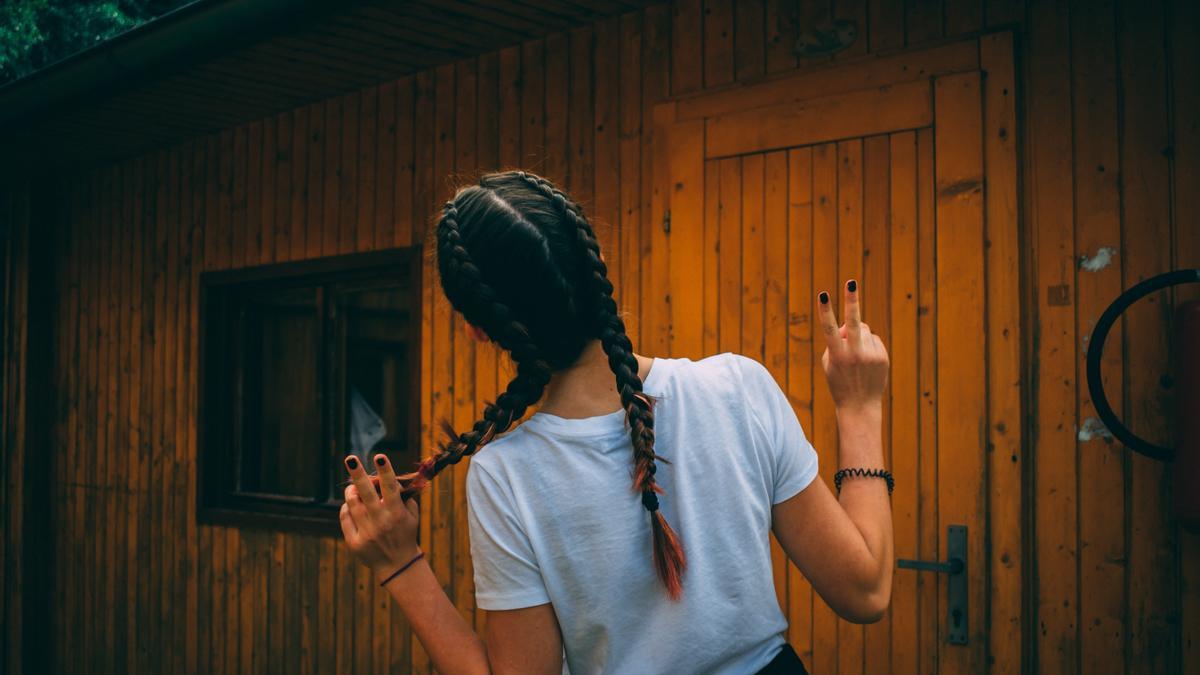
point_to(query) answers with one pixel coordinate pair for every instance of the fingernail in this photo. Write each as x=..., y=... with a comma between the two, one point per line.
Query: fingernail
x=380, y=461
x=852, y=285
x=824, y=298
x=352, y=463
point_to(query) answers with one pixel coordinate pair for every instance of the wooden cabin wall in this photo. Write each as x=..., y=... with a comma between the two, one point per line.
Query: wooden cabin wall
x=1110, y=148
x=14, y=349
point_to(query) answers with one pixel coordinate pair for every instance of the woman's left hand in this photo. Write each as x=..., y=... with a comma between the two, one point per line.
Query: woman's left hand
x=379, y=527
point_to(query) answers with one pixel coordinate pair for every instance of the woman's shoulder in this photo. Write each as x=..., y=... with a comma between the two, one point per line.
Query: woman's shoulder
x=726, y=369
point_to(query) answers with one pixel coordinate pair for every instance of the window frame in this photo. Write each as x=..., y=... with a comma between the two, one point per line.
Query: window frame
x=218, y=502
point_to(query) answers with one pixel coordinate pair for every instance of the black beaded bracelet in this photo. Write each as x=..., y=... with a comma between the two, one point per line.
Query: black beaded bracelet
x=406, y=566
x=864, y=473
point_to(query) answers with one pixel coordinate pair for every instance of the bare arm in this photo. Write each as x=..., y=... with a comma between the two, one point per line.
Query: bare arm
x=844, y=545
x=381, y=531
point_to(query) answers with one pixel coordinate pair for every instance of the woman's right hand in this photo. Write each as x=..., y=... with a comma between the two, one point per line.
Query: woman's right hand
x=855, y=360
x=379, y=527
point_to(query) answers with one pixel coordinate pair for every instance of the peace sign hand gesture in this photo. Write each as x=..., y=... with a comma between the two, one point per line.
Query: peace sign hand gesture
x=379, y=526
x=855, y=360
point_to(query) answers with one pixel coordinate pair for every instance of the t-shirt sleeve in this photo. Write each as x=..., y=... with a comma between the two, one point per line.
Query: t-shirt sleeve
x=506, y=571
x=793, y=458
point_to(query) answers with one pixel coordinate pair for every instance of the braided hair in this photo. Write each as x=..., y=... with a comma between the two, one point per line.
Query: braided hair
x=544, y=317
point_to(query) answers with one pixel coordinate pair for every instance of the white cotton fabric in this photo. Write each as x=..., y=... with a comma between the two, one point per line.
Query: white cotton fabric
x=553, y=518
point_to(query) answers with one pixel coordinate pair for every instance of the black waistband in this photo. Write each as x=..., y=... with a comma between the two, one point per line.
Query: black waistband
x=787, y=662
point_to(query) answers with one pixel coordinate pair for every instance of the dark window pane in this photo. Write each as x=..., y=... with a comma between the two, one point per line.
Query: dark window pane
x=282, y=412
x=378, y=379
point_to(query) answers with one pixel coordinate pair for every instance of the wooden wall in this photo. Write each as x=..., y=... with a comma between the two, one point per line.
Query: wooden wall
x=1110, y=147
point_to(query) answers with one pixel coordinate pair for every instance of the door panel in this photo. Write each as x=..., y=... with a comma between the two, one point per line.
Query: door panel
x=761, y=209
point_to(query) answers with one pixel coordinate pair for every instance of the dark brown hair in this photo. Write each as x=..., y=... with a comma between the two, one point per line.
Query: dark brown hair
x=519, y=260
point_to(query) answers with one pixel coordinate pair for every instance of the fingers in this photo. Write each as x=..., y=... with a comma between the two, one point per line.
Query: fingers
x=349, y=528
x=359, y=477
x=387, y=480
x=853, y=312
x=358, y=511
x=829, y=325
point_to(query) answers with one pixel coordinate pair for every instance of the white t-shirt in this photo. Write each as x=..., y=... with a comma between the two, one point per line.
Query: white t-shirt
x=553, y=518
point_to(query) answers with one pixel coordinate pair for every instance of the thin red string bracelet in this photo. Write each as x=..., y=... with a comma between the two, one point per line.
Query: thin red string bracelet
x=401, y=570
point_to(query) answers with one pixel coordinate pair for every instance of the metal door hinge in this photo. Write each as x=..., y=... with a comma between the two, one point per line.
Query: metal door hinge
x=955, y=566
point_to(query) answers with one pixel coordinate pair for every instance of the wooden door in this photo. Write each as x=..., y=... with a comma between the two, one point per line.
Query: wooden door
x=768, y=194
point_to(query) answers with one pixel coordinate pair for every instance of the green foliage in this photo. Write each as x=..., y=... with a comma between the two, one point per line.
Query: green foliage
x=37, y=33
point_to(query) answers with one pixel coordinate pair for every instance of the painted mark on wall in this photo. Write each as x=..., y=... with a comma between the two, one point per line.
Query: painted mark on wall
x=1102, y=259
x=1093, y=428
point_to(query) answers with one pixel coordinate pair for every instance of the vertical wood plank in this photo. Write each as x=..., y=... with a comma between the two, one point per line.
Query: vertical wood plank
x=711, y=256
x=718, y=42
x=510, y=107
x=194, y=606
x=422, y=208
x=781, y=33
x=687, y=57
x=102, y=447
x=606, y=177
x=205, y=620
x=402, y=222
x=886, y=30
x=348, y=183
x=1146, y=241
x=387, y=186
x=1005, y=369
x=1102, y=466
x=1003, y=12
x=855, y=11
x=685, y=184
x=465, y=411
x=168, y=443
x=850, y=257
x=905, y=395
x=962, y=371
x=656, y=84
x=300, y=186
x=630, y=134
x=444, y=341
x=875, y=296
x=533, y=103
x=1052, y=236
x=775, y=310
x=749, y=43
x=923, y=21
x=553, y=157
x=963, y=16
x=800, y=364
x=1185, y=83
x=929, y=524
x=371, y=141
x=729, y=272
x=327, y=225
x=825, y=274
x=488, y=136
x=753, y=249
x=581, y=125
x=154, y=210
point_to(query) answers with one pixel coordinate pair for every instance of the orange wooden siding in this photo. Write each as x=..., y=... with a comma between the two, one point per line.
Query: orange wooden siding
x=1107, y=147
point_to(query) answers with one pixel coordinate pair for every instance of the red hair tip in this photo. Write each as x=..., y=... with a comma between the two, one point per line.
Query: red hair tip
x=669, y=560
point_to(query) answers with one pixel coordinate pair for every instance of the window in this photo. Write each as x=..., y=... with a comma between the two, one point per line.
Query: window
x=304, y=363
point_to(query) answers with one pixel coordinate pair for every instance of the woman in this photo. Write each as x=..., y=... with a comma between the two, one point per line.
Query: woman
x=673, y=576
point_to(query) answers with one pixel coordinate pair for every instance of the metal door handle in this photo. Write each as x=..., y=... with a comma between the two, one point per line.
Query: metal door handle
x=955, y=566
x=951, y=566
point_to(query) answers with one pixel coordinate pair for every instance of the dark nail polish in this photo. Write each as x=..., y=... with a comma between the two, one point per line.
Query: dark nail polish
x=824, y=298
x=380, y=461
x=352, y=463
x=852, y=285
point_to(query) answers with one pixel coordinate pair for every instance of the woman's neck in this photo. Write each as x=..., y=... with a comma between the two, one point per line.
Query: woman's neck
x=588, y=388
